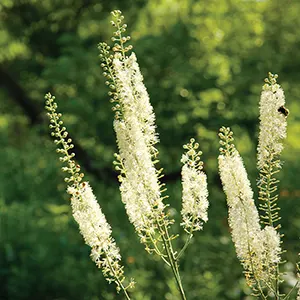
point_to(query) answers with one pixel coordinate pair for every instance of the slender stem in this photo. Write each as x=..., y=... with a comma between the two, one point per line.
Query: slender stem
x=174, y=268
x=116, y=277
x=121, y=42
x=171, y=257
x=187, y=242
x=156, y=249
x=290, y=292
x=179, y=279
x=125, y=292
x=158, y=252
x=268, y=192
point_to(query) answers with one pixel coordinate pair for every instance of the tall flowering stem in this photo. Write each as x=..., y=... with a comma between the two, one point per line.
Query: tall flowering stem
x=258, y=250
x=273, y=115
x=140, y=186
x=194, y=192
x=86, y=211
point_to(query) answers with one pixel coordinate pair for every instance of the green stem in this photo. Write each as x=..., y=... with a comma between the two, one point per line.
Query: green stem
x=116, y=277
x=290, y=292
x=125, y=292
x=268, y=192
x=172, y=260
x=187, y=242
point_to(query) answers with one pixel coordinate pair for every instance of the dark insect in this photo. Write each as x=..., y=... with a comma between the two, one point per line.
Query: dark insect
x=283, y=110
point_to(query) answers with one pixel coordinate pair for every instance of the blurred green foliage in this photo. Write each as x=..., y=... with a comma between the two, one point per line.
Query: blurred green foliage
x=204, y=63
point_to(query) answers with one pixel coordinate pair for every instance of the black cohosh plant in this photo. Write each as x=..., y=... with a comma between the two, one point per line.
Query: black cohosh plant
x=256, y=236
x=144, y=195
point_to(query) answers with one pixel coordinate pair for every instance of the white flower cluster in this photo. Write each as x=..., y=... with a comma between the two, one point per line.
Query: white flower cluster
x=86, y=210
x=95, y=231
x=272, y=121
x=134, y=97
x=271, y=243
x=194, y=190
x=259, y=250
x=136, y=137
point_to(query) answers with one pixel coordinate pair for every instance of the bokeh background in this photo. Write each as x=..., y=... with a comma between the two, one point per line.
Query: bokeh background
x=204, y=63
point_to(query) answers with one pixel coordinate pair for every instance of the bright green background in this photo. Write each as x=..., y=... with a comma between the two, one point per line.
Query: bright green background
x=204, y=63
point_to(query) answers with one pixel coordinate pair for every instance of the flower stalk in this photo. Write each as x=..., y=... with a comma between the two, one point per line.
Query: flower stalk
x=258, y=249
x=273, y=115
x=264, y=250
x=141, y=189
x=86, y=211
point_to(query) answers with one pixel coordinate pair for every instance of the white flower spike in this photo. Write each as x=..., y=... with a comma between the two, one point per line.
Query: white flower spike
x=194, y=189
x=272, y=121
